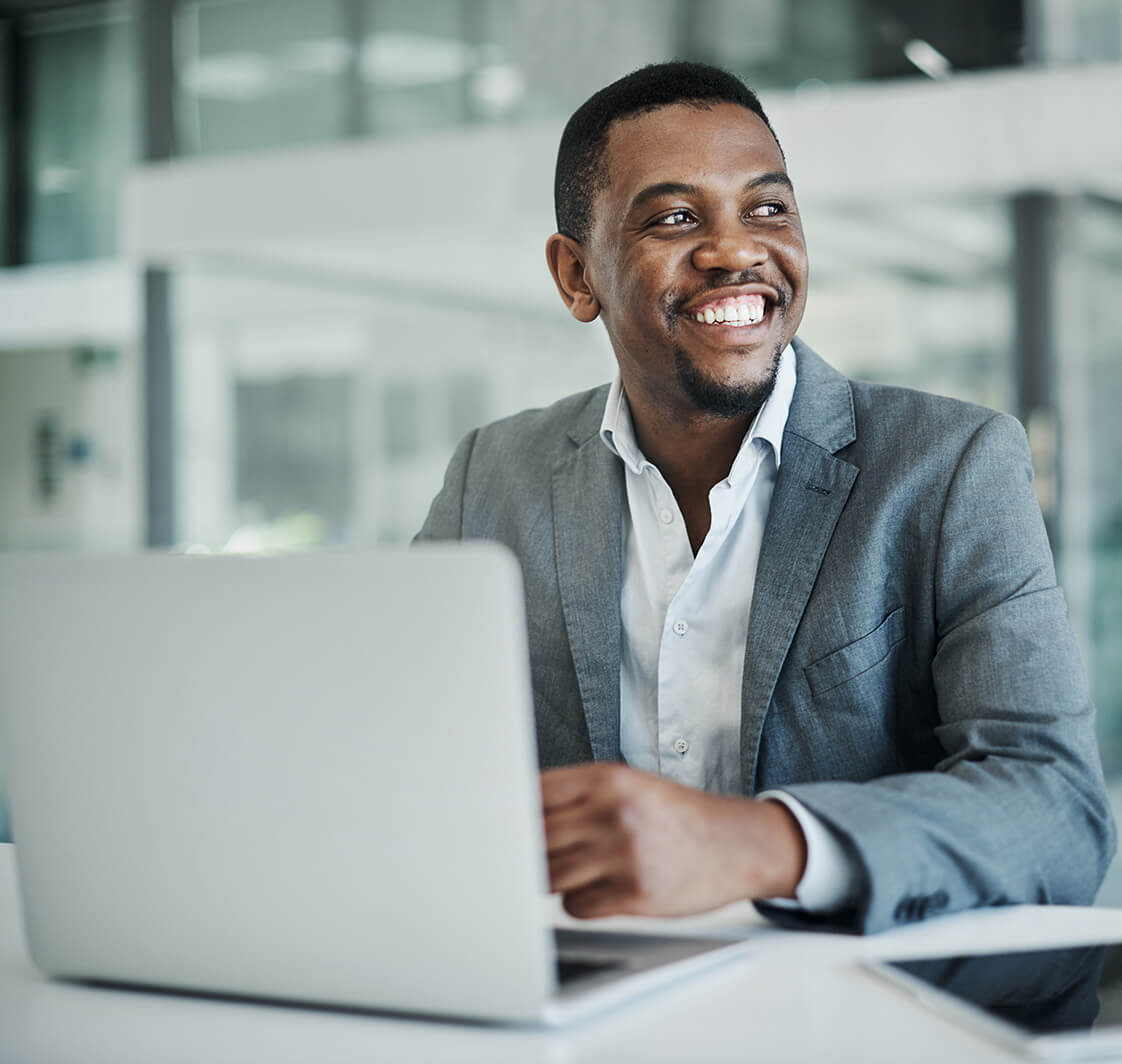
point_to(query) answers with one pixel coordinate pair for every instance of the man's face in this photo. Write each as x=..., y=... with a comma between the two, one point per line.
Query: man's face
x=696, y=258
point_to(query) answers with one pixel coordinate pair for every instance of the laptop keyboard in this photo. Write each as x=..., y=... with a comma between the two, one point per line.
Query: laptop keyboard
x=569, y=969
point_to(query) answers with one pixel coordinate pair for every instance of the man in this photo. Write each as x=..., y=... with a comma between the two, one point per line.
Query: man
x=794, y=638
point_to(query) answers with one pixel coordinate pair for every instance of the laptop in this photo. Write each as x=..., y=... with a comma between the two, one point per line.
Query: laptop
x=307, y=778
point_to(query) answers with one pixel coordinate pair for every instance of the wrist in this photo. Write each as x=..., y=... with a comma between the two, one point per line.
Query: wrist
x=780, y=851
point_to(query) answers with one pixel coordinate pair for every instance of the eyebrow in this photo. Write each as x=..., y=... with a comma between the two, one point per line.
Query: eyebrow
x=678, y=188
x=663, y=188
x=773, y=177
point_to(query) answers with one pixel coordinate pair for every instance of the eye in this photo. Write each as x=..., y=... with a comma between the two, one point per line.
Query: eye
x=767, y=210
x=678, y=216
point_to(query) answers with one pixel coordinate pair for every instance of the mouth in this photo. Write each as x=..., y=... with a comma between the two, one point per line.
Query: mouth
x=738, y=311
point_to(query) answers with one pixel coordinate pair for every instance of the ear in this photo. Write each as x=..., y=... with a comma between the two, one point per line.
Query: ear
x=566, y=260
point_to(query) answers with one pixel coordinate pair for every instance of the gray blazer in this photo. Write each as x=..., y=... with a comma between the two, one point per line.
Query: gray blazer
x=909, y=674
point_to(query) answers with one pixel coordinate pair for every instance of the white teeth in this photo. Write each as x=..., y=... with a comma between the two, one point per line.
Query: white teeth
x=749, y=312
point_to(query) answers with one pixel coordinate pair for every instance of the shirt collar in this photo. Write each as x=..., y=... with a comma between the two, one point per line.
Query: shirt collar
x=617, y=430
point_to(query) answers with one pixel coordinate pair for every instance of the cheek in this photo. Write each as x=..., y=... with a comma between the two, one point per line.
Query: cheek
x=796, y=250
x=796, y=266
x=637, y=290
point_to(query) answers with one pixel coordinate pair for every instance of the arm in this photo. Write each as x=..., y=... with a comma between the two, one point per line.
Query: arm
x=1015, y=810
x=446, y=514
x=623, y=841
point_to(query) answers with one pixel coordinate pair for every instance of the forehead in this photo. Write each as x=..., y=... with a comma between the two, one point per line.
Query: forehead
x=722, y=142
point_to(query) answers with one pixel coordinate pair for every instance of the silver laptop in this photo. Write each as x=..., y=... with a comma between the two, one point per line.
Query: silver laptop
x=306, y=778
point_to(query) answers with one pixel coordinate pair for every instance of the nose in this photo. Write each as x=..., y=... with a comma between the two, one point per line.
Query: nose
x=730, y=246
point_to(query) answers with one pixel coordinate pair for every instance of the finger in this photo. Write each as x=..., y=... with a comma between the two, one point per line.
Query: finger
x=601, y=898
x=573, y=869
x=562, y=786
x=570, y=825
x=572, y=783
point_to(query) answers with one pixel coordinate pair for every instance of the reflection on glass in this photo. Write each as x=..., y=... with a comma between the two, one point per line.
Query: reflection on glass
x=259, y=73
x=255, y=74
x=415, y=64
x=6, y=55
x=916, y=294
x=1101, y=438
x=293, y=452
x=82, y=130
x=310, y=414
x=783, y=45
x=1038, y=992
x=1096, y=29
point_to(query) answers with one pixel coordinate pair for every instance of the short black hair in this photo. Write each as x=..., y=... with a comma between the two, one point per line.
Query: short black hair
x=582, y=169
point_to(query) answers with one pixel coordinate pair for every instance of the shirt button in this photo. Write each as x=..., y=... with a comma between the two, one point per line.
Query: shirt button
x=681, y=745
x=680, y=627
x=666, y=516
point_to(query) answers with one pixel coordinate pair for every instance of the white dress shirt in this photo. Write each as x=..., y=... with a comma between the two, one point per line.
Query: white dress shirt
x=685, y=624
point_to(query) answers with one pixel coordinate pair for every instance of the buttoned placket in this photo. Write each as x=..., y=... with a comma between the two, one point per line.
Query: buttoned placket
x=682, y=573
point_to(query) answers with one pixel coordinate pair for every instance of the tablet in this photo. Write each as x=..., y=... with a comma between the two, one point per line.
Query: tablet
x=1050, y=1004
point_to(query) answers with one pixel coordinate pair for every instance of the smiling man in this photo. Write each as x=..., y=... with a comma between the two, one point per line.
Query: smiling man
x=794, y=638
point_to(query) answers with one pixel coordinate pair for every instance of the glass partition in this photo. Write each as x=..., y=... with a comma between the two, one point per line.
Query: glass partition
x=82, y=129
x=916, y=294
x=6, y=55
x=255, y=74
x=260, y=73
x=417, y=63
x=314, y=413
x=1093, y=507
x=1097, y=28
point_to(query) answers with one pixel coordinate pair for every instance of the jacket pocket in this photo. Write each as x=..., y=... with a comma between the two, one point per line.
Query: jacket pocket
x=857, y=657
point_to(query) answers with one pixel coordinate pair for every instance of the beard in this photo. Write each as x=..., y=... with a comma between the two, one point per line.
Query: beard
x=721, y=399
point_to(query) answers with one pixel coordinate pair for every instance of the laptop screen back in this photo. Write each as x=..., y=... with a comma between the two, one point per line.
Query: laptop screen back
x=310, y=777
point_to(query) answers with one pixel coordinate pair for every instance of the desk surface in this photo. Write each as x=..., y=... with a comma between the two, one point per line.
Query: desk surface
x=796, y=998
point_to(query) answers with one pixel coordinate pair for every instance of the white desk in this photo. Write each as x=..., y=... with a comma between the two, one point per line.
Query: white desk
x=797, y=998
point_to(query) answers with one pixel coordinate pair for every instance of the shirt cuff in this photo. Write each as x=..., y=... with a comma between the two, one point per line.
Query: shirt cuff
x=830, y=879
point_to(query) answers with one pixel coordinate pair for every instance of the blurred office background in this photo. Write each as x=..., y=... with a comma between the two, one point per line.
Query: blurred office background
x=263, y=262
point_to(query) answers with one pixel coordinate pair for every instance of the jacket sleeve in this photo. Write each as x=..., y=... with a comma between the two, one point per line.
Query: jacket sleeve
x=446, y=514
x=1015, y=811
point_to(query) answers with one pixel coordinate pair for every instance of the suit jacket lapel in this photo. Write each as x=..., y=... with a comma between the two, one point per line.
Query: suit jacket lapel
x=810, y=493
x=588, y=500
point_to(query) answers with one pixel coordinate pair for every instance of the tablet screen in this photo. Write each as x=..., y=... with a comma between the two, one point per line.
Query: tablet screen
x=1050, y=991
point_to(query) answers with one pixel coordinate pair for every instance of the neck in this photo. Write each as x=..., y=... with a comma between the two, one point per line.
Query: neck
x=693, y=454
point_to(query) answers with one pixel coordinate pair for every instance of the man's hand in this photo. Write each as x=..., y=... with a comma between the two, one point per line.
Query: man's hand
x=624, y=841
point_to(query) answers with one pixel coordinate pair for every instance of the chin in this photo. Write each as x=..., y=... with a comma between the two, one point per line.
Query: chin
x=724, y=398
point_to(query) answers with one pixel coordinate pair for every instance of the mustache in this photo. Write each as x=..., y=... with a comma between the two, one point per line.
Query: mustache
x=728, y=280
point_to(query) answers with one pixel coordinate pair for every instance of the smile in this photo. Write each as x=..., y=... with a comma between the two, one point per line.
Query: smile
x=737, y=310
